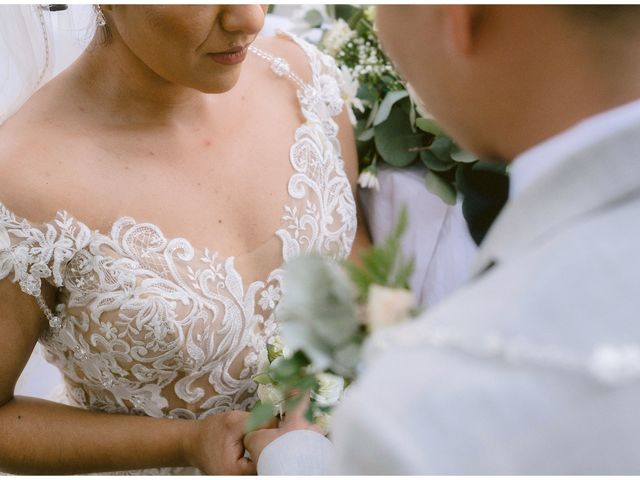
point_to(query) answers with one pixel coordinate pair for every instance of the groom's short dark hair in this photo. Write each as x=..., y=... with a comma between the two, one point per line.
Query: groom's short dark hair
x=603, y=15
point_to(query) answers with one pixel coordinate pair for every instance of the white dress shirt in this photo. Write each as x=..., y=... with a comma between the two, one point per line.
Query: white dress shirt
x=535, y=162
x=500, y=378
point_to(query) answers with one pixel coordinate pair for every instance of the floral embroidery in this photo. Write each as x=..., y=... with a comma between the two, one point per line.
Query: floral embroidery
x=269, y=298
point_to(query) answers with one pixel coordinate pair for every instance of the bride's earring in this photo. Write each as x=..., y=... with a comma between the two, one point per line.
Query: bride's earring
x=100, y=20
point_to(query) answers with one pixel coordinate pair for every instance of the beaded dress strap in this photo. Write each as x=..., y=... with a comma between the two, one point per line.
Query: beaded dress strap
x=279, y=66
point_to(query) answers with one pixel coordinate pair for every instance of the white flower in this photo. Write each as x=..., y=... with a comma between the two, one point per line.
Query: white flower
x=279, y=347
x=323, y=420
x=263, y=362
x=369, y=179
x=370, y=14
x=270, y=393
x=269, y=297
x=350, y=86
x=330, y=388
x=336, y=37
x=387, y=306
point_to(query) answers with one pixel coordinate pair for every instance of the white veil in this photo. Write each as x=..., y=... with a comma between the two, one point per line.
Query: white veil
x=36, y=43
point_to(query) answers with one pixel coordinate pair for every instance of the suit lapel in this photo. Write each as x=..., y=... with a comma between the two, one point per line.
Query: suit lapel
x=588, y=181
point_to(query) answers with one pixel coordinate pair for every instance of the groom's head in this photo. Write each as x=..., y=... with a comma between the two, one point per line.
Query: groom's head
x=501, y=78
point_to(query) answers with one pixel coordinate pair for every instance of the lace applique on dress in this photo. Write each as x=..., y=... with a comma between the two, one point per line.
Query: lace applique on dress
x=150, y=325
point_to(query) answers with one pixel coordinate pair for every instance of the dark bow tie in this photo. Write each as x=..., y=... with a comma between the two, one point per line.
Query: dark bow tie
x=485, y=190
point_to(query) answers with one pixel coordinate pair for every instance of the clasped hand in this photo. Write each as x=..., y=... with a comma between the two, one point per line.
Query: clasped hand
x=219, y=443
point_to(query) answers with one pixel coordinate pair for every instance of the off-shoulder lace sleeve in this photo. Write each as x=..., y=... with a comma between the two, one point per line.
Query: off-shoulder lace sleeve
x=32, y=253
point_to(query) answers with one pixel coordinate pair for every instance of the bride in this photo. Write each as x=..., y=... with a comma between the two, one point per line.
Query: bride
x=149, y=196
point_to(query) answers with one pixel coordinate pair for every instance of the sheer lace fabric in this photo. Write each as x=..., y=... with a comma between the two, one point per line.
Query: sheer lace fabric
x=150, y=325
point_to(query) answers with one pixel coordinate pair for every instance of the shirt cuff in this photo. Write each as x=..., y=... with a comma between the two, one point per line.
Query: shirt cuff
x=300, y=452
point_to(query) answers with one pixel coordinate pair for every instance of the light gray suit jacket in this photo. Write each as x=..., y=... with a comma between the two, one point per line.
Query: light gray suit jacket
x=510, y=375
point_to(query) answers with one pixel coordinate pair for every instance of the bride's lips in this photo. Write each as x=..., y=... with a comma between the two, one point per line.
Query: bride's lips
x=230, y=57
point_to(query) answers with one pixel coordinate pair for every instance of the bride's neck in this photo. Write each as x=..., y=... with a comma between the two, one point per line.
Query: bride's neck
x=124, y=88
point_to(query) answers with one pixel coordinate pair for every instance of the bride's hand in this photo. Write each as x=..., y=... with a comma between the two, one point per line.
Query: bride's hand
x=216, y=447
x=255, y=442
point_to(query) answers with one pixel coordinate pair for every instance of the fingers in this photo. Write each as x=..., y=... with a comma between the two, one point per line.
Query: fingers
x=248, y=439
x=258, y=438
x=246, y=467
x=273, y=423
x=297, y=414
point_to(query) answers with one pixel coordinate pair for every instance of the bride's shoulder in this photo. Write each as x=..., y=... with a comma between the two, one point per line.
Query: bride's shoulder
x=32, y=157
x=296, y=52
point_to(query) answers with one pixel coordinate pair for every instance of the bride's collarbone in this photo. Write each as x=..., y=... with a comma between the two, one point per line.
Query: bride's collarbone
x=212, y=203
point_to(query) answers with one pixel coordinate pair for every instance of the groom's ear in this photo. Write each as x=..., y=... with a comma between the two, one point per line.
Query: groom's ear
x=462, y=26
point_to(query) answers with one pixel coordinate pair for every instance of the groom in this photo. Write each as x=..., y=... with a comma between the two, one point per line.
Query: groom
x=534, y=366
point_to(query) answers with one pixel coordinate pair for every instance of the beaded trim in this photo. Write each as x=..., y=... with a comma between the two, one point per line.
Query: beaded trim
x=612, y=365
x=279, y=66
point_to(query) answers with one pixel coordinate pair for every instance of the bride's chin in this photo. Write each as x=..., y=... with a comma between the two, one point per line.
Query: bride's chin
x=220, y=84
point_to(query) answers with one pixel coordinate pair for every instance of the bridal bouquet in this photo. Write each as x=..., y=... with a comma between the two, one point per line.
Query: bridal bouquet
x=327, y=311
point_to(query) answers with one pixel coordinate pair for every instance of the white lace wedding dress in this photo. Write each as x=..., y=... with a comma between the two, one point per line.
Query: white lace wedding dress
x=149, y=325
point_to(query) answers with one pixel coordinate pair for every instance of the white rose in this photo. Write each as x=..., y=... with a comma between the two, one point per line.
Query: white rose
x=279, y=346
x=330, y=388
x=388, y=306
x=263, y=362
x=323, y=420
x=271, y=394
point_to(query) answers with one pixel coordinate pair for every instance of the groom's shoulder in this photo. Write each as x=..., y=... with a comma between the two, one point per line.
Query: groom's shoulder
x=470, y=412
x=577, y=289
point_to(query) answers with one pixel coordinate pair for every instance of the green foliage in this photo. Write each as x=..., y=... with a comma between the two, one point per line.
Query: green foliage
x=429, y=125
x=395, y=140
x=261, y=414
x=320, y=324
x=390, y=129
x=273, y=352
x=290, y=370
x=383, y=264
x=263, y=379
x=440, y=187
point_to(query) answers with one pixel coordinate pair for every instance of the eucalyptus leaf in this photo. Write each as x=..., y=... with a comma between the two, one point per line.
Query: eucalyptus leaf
x=306, y=383
x=372, y=114
x=263, y=379
x=386, y=105
x=412, y=116
x=395, y=141
x=435, y=163
x=367, y=94
x=440, y=187
x=356, y=15
x=366, y=135
x=462, y=156
x=313, y=18
x=261, y=414
x=308, y=414
x=441, y=147
x=429, y=125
